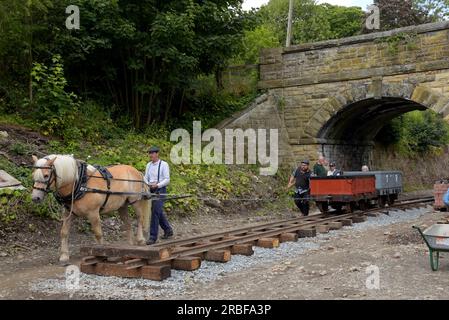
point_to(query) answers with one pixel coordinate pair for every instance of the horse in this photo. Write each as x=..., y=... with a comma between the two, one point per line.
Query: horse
x=60, y=174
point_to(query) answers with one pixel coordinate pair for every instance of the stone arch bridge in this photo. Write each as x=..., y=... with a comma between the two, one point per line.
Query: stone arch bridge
x=333, y=97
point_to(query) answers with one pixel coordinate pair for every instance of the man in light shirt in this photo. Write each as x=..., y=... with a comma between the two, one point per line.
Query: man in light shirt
x=157, y=176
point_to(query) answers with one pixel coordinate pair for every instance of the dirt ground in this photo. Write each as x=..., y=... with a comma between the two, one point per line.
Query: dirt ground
x=336, y=269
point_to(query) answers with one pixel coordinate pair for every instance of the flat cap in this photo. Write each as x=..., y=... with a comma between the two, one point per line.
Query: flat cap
x=305, y=162
x=153, y=149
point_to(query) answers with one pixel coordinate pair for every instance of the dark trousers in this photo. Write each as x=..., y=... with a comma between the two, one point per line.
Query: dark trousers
x=158, y=217
x=302, y=203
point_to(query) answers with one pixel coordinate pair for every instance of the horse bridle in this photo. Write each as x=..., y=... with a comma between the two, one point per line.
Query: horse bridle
x=49, y=181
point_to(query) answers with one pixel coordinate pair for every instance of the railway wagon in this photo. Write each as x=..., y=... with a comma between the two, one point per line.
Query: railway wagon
x=388, y=185
x=349, y=191
x=356, y=190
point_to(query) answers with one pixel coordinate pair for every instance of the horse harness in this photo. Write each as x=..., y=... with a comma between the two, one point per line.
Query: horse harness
x=80, y=189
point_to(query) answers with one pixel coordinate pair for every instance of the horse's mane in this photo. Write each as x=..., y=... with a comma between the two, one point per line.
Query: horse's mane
x=65, y=167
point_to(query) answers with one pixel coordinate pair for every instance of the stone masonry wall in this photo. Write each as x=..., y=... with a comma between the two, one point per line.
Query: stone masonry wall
x=309, y=84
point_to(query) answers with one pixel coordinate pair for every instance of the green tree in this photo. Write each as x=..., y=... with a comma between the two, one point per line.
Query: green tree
x=19, y=21
x=343, y=21
x=144, y=54
x=433, y=10
x=312, y=22
x=263, y=36
x=138, y=55
x=403, y=13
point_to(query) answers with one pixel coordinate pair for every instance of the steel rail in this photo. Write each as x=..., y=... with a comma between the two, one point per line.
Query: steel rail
x=181, y=248
x=277, y=223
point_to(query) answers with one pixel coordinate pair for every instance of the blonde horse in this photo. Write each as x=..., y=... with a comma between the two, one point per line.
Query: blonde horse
x=60, y=174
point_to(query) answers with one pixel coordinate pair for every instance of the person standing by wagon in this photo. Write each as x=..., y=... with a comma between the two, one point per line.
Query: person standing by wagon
x=300, y=178
x=157, y=176
x=319, y=169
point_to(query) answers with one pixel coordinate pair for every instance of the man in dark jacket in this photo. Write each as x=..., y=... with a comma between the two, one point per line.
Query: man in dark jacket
x=300, y=178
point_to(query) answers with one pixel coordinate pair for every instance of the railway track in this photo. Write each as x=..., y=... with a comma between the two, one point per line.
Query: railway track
x=156, y=262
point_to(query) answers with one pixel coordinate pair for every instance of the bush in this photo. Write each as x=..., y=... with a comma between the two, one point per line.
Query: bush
x=15, y=202
x=424, y=131
x=53, y=107
x=416, y=133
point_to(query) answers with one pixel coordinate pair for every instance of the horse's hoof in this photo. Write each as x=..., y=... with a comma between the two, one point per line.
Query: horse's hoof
x=141, y=242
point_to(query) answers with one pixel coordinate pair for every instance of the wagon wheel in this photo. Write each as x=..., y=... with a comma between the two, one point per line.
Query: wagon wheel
x=337, y=207
x=351, y=206
x=434, y=259
x=381, y=201
x=323, y=206
x=363, y=205
x=391, y=199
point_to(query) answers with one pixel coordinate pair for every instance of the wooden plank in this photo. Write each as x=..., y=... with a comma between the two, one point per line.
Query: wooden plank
x=116, y=270
x=372, y=214
x=335, y=225
x=218, y=255
x=268, y=243
x=157, y=273
x=322, y=228
x=346, y=222
x=144, y=252
x=288, y=237
x=243, y=249
x=91, y=260
x=307, y=233
x=358, y=219
x=6, y=180
x=88, y=268
x=201, y=255
x=135, y=263
x=116, y=259
x=186, y=263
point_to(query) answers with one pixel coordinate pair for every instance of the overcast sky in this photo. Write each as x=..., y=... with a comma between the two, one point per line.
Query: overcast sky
x=248, y=4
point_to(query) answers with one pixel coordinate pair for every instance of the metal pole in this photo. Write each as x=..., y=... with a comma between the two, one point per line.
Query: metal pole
x=289, y=24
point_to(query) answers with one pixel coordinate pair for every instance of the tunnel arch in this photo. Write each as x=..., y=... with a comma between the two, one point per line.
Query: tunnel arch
x=346, y=125
x=420, y=95
x=362, y=120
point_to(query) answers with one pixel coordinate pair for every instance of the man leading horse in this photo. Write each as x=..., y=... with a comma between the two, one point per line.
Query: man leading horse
x=157, y=176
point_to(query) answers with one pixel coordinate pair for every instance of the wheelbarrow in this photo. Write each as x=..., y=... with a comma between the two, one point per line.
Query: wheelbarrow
x=437, y=239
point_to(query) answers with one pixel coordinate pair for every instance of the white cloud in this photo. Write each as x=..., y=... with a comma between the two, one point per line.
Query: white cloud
x=248, y=4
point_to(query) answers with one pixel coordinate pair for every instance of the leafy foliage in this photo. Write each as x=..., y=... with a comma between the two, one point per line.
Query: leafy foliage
x=403, y=13
x=312, y=22
x=416, y=133
x=54, y=108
